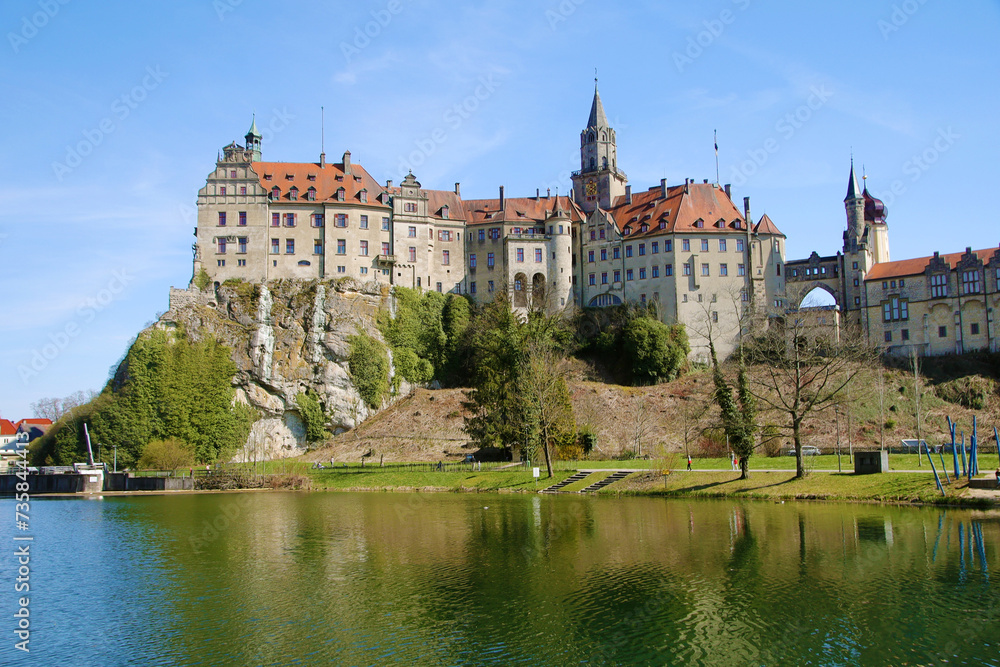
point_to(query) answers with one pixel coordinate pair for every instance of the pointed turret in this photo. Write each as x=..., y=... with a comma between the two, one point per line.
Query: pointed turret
x=253, y=138
x=853, y=191
x=597, y=117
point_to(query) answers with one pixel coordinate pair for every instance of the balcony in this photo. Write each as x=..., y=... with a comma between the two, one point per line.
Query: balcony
x=386, y=259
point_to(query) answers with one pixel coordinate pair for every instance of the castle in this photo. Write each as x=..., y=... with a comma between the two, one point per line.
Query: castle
x=685, y=247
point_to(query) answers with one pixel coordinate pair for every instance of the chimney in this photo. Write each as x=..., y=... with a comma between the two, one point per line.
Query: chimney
x=388, y=184
x=538, y=193
x=628, y=194
x=687, y=185
x=458, y=189
x=322, y=160
x=705, y=181
x=347, y=163
x=746, y=213
x=729, y=188
x=548, y=192
x=663, y=188
x=501, y=198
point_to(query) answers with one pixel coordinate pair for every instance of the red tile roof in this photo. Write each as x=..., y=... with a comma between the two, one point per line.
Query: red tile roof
x=519, y=210
x=327, y=180
x=437, y=200
x=681, y=211
x=7, y=427
x=38, y=421
x=765, y=226
x=916, y=266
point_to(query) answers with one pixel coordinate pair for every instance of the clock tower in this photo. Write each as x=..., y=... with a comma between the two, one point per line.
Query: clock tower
x=599, y=180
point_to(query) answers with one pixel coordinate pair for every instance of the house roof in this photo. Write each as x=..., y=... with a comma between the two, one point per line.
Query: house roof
x=326, y=179
x=680, y=211
x=7, y=427
x=766, y=226
x=519, y=210
x=437, y=200
x=35, y=420
x=916, y=266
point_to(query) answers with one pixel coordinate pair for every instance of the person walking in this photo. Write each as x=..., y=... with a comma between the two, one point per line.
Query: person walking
x=689, y=463
x=998, y=477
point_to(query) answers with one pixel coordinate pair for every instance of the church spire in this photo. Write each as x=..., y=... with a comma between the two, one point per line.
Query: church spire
x=253, y=139
x=597, y=117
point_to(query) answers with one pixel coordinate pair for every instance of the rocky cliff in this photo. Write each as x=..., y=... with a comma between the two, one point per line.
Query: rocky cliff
x=287, y=337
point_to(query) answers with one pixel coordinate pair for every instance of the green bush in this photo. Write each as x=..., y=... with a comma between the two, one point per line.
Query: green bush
x=202, y=279
x=971, y=392
x=369, y=366
x=411, y=367
x=312, y=416
x=654, y=351
x=166, y=455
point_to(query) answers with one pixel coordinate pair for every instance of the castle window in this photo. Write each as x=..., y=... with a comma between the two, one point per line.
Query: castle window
x=704, y=270
x=604, y=278
x=317, y=247
x=974, y=328
x=490, y=260
x=243, y=189
x=704, y=245
x=445, y=212
x=627, y=231
x=385, y=248
x=600, y=233
x=311, y=177
x=663, y=224
x=222, y=190
x=445, y=258
x=410, y=207
x=616, y=252
x=341, y=193
x=243, y=219
x=939, y=285
x=604, y=254
x=363, y=249
x=311, y=194
x=902, y=283
x=363, y=222
x=494, y=233
x=628, y=251
x=275, y=192
x=267, y=177
x=644, y=227
x=723, y=269
x=888, y=336
x=668, y=245
x=592, y=279
x=241, y=246
x=590, y=256
x=520, y=254
x=412, y=254
x=222, y=218
x=905, y=334
x=642, y=249
x=656, y=270
x=668, y=270
x=221, y=263
x=289, y=220
x=777, y=268
x=628, y=274
x=895, y=309
x=276, y=220
x=411, y=232
x=222, y=247
x=686, y=245
x=275, y=246
x=385, y=224
x=489, y=286
x=970, y=282
x=472, y=287
x=739, y=245
x=593, y=236
x=722, y=245
x=942, y=332
x=538, y=254
x=699, y=223
x=741, y=269
x=364, y=196
x=318, y=220
x=656, y=247
x=472, y=261
x=341, y=246
x=687, y=268
x=293, y=194
x=241, y=262
x=642, y=273
x=855, y=266
x=340, y=220
x=618, y=276
x=289, y=246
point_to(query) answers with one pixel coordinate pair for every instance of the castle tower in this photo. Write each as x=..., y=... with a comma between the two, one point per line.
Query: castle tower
x=877, y=229
x=854, y=204
x=599, y=180
x=253, y=138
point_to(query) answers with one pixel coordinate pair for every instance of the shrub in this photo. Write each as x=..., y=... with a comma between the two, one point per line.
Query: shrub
x=202, y=279
x=312, y=416
x=588, y=439
x=971, y=392
x=770, y=440
x=654, y=351
x=412, y=367
x=369, y=366
x=890, y=424
x=713, y=443
x=166, y=455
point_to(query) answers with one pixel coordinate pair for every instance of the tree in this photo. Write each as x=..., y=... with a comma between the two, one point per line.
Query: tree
x=739, y=415
x=166, y=455
x=801, y=371
x=543, y=382
x=654, y=351
x=312, y=415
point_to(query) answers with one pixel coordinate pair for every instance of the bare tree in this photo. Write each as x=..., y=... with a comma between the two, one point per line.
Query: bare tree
x=801, y=371
x=544, y=385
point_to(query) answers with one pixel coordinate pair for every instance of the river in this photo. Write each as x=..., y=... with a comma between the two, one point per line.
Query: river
x=482, y=579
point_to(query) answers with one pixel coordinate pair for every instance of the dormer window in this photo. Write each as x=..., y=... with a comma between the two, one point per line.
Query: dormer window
x=293, y=194
x=267, y=177
x=289, y=177
x=444, y=212
x=699, y=223
x=627, y=230
x=364, y=196
x=663, y=224
x=311, y=177
x=737, y=224
x=644, y=227
x=341, y=192
x=311, y=194
x=340, y=178
x=275, y=192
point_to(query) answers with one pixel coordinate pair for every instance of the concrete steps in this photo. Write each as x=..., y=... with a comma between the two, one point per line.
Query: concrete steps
x=566, y=482
x=988, y=482
x=610, y=479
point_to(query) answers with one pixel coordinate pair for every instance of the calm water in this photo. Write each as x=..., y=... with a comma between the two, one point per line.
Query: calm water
x=444, y=579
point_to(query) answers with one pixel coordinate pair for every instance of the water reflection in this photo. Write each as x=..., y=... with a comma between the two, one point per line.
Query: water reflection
x=480, y=579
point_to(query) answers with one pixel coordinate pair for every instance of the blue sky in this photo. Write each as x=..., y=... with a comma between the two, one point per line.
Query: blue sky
x=113, y=114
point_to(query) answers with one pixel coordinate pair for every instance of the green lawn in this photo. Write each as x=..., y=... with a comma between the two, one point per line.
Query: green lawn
x=373, y=478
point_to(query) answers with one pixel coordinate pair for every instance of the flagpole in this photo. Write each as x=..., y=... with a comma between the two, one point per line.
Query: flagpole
x=716, y=157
